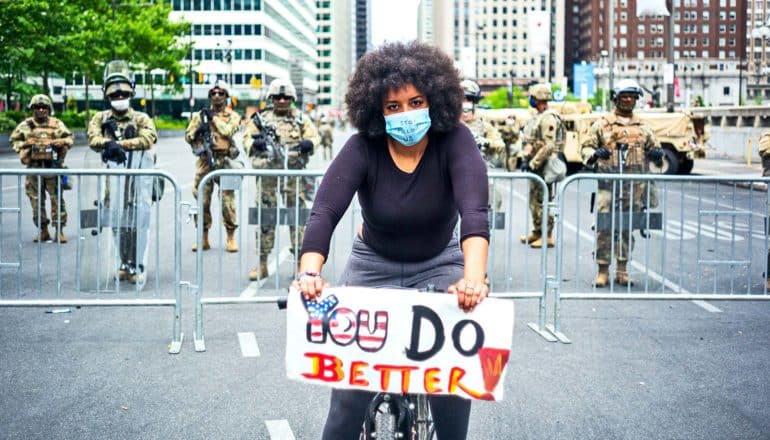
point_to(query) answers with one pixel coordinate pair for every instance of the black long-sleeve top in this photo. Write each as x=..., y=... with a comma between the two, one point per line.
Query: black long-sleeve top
x=407, y=216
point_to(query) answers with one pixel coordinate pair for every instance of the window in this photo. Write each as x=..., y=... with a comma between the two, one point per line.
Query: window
x=705, y=29
x=640, y=29
x=726, y=90
x=640, y=42
x=704, y=54
x=705, y=15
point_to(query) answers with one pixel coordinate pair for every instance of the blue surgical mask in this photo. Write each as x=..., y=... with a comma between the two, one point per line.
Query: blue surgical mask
x=408, y=127
x=532, y=102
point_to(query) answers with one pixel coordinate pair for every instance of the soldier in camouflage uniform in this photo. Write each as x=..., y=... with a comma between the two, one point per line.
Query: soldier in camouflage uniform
x=620, y=140
x=217, y=125
x=115, y=132
x=42, y=141
x=764, y=153
x=325, y=130
x=510, y=134
x=543, y=136
x=487, y=137
x=296, y=140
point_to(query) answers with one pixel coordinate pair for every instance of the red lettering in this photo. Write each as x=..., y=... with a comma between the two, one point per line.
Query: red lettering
x=455, y=376
x=356, y=375
x=430, y=380
x=385, y=375
x=325, y=367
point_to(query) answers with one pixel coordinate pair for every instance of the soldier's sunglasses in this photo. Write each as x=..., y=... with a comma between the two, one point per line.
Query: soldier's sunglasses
x=118, y=95
x=281, y=98
x=40, y=107
x=217, y=93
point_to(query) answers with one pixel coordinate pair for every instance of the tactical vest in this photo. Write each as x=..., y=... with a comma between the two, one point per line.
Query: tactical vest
x=221, y=143
x=122, y=125
x=626, y=140
x=558, y=136
x=42, y=136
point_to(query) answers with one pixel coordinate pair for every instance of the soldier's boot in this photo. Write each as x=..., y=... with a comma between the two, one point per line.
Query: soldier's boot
x=136, y=276
x=259, y=272
x=123, y=273
x=603, y=277
x=206, y=244
x=537, y=244
x=60, y=237
x=621, y=276
x=529, y=238
x=231, y=245
x=43, y=235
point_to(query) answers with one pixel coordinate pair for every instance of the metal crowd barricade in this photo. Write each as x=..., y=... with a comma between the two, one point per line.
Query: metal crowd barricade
x=696, y=238
x=221, y=278
x=521, y=273
x=83, y=272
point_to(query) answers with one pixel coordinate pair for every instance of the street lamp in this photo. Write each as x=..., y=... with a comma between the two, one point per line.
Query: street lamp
x=226, y=56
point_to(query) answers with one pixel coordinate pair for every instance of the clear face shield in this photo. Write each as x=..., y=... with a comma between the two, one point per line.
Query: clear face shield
x=118, y=69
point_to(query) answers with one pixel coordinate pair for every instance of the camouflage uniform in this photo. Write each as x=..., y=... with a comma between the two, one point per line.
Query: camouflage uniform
x=325, y=130
x=224, y=126
x=39, y=145
x=607, y=132
x=488, y=140
x=290, y=129
x=545, y=134
x=510, y=135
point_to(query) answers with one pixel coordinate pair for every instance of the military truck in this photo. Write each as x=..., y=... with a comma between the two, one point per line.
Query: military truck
x=682, y=134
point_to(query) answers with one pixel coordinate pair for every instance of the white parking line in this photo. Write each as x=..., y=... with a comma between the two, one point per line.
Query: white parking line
x=248, y=342
x=272, y=267
x=279, y=430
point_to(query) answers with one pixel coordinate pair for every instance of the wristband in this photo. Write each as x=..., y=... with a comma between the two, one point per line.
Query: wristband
x=307, y=274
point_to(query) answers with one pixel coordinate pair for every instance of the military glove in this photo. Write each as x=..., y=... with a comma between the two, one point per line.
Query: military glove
x=258, y=145
x=656, y=156
x=129, y=132
x=113, y=152
x=601, y=153
x=233, y=152
x=306, y=146
x=524, y=166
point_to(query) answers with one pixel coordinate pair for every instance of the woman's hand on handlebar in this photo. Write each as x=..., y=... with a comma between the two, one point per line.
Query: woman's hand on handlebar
x=310, y=284
x=469, y=293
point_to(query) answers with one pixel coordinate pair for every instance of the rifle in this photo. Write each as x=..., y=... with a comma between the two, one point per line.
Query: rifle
x=273, y=150
x=203, y=135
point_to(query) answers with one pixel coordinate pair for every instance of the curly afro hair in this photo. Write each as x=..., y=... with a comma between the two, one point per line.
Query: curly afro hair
x=393, y=66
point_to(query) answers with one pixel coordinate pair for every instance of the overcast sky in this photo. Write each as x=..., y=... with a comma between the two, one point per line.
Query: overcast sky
x=393, y=20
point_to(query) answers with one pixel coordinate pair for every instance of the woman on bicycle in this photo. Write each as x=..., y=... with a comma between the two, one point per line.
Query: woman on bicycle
x=415, y=168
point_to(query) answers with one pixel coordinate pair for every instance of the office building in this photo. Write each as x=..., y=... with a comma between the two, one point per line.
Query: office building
x=335, y=51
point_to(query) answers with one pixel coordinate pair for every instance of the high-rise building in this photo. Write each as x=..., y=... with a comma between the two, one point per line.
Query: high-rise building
x=251, y=42
x=489, y=40
x=247, y=43
x=757, y=46
x=363, y=27
x=335, y=51
x=708, y=45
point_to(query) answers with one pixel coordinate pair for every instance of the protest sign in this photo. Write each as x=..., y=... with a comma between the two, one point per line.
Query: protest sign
x=399, y=341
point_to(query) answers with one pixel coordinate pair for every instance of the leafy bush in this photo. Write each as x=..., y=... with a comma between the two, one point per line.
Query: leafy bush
x=73, y=120
x=163, y=122
x=7, y=124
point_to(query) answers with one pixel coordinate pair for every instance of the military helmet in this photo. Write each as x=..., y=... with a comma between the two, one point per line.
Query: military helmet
x=471, y=90
x=280, y=86
x=118, y=77
x=626, y=86
x=541, y=92
x=221, y=85
x=40, y=100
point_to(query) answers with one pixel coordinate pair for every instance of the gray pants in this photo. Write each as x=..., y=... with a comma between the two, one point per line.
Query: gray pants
x=366, y=268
